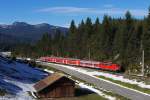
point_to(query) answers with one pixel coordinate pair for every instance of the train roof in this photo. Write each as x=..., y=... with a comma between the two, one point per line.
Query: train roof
x=85, y=61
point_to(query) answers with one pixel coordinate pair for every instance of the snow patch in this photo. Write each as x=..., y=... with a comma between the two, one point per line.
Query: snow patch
x=108, y=75
x=82, y=85
x=49, y=71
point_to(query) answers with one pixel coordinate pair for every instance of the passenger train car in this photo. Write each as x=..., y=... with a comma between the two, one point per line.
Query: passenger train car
x=83, y=63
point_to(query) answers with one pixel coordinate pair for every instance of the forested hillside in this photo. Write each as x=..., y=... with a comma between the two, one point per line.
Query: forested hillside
x=120, y=40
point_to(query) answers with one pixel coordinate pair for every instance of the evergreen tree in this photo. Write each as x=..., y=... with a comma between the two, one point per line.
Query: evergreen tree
x=134, y=45
x=88, y=27
x=95, y=40
x=146, y=39
x=118, y=38
x=127, y=33
x=82, y=39
x=44, y=45
x=106, y=36
x=72, y=39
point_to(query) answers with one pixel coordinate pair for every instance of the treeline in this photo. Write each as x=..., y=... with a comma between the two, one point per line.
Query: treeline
x=120, y=40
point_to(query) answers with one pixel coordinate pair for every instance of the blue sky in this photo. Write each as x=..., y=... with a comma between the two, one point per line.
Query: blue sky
x=61, y=12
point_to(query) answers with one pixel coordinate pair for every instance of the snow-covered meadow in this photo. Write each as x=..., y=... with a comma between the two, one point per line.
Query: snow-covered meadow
x=17, y=79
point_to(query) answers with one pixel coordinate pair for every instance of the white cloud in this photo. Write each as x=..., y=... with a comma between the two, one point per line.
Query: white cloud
x=65, y=10
x=94, y=11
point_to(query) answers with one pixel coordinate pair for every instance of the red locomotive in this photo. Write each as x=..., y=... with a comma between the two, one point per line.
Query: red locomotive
x=83, y=63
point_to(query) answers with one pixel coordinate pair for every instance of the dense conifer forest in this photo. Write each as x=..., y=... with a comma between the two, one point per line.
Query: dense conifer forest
x=120, y=40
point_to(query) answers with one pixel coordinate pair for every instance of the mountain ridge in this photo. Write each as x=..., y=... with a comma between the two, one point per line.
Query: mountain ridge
x=22, y=30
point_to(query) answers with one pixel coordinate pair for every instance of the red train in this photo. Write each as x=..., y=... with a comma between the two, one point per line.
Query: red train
x=83, y=63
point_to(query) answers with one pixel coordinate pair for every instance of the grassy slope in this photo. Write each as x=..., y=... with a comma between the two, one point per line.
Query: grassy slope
x=133, y=86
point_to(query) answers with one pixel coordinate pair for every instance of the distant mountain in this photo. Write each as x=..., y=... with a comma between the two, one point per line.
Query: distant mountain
x=25, y=32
